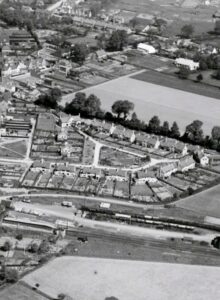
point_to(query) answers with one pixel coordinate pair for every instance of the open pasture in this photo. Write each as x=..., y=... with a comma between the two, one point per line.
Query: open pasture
x=125, y=280
x=207, y=202
x=154, y=99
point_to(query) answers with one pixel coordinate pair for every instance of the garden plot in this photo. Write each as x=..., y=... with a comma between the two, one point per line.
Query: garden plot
x=67, y=183
x=80, y=184
x=181, y=183
x=116, y=158
x=121, y=189
x=107, y=188
x=141, y=192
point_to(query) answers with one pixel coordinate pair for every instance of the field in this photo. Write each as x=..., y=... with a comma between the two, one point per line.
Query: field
x=150, y=99
x=207, y=202
x=20, y=292
x=125, y=280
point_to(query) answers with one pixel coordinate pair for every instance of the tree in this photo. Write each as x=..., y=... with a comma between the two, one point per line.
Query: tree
x=216, y=75
x=183, y=73
x=117, y=40
x=7, y=246
x=154, y=125
x=19, y=236
x=187, y=30
x=87, y=106
x=50, y=99
x=174, y=130
x=33, y=248
x=200, y=77
x=92, y=105
x=77, y=104
x=216, y=133
x=194, y=132
x=165, y=128
x=78, y=53
x=44, y=247
x=122, y=107
x=203, y=65
x=56, y=94
x=11, y=275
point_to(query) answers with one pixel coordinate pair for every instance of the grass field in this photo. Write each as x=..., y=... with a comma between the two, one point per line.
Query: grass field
x=207, y=202
x=20, y=292
x=96, y=279
x=152, y=99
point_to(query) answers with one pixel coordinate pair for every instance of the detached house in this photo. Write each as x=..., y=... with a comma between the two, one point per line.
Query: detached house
x=129, y=135
x=186, y=163
x=203, y=158
x=181, y=148
x=118, y=175
x=143, y=177
x=168, y=144
x=168, y=169
x=153, y=142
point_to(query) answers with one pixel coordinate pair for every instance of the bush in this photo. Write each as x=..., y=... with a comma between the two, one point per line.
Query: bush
x=19, y=236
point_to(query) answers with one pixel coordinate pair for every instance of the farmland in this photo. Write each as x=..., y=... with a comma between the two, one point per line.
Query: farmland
x=207, y=202
x=151, y=99
x=20, y=292
x=137, y=279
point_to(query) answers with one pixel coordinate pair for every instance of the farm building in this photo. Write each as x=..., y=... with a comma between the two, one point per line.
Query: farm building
x=146, y=48
x=187, y=63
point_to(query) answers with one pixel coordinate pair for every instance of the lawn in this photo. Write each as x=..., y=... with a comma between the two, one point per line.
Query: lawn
x=168, y=103
x=112, y=157
x=207, y=202
x=97, y=279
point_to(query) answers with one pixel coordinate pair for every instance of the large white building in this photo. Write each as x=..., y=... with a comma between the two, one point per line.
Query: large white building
x=146, y=48
x=187, y=63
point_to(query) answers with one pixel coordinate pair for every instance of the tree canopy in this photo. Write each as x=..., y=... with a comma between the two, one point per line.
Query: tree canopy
x=51, y=99
x=79, y=53
x=87, y=106
x=122, y=107
x=187, y=30
x=194, y=132
x=117, y=40
x=154, y=124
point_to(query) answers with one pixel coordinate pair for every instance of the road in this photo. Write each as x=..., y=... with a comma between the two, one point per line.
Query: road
x=99, y=199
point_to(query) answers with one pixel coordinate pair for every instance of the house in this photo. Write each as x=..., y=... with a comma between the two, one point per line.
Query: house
x=168, y=144
x=90, y=172
x=101, y=55
x=141, y=140
x=181, y=148
x=129, y=135
x=168, y=169
x=67, y=121
x=187, y=63
x=186, y=163
x=62, y=135
x=108, y=127
x=143, y=177
x=153, y=142
x=146, y=48
x=202, y=158
x=40, y=166
x=118, y=175
x=118, y=132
